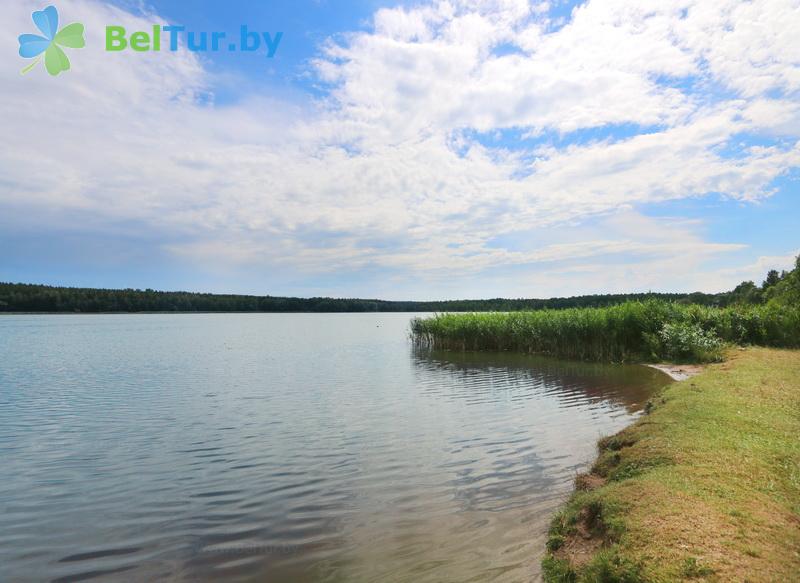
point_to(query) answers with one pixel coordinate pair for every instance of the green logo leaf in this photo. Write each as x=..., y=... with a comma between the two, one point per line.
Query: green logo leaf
x=55, y=60
x=71, y=36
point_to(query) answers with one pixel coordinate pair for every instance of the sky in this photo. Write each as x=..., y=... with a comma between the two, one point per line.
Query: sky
x=408, y=150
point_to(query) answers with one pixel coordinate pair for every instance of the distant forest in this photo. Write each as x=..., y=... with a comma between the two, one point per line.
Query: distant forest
x=19, y=297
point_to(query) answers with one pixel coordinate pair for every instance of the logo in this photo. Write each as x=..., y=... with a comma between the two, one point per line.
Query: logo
x=195, y=41
x=49, y=45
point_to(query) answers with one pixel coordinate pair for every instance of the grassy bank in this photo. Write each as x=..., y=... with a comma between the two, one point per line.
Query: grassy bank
x=705, y=487
x=630, y=332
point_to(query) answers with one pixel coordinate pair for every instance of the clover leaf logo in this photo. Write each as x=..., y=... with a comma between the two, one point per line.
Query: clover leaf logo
x=33, y=45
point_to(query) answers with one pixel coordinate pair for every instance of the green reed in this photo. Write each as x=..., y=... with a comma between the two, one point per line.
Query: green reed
x=629, y=332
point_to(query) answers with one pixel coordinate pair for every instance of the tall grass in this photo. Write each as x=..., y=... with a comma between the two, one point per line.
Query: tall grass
x=633, y=331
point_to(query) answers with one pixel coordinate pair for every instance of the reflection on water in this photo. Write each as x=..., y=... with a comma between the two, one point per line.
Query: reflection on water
x=480, y=377
x=292, y=447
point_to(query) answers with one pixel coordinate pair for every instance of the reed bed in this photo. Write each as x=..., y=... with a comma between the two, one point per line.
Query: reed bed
x=629, y=332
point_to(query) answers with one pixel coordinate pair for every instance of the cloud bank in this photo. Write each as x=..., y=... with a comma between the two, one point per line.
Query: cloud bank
x=450, y=148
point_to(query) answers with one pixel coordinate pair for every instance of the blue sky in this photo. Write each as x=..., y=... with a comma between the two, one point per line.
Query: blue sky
x=306, y=24
x=427, y=149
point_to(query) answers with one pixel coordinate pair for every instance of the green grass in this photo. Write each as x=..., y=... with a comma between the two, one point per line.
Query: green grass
x=706, y=487
x=629, y=332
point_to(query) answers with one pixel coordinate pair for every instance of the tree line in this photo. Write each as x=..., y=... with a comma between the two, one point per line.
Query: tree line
x=21, y=297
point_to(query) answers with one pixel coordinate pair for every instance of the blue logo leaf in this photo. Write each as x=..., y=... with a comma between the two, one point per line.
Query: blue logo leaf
x=47, y=21
x=31, y=45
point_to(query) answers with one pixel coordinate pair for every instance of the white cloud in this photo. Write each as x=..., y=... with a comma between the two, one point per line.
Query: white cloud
x=757, y=270
x=386, y=171
x=751, y=47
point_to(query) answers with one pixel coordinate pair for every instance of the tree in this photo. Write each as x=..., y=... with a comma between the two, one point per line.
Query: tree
x=787, y=290
x=746, y=293
x=773, y=277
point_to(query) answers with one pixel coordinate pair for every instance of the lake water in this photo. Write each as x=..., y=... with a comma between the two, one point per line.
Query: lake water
x=285, y=448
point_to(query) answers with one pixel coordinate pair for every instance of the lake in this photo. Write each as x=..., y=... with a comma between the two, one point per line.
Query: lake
x=285, y=448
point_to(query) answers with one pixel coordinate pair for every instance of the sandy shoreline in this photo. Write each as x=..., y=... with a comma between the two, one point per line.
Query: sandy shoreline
x=678, y=372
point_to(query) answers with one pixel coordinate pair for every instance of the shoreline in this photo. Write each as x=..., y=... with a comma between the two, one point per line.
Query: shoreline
x=678, y=372
x=702, y=487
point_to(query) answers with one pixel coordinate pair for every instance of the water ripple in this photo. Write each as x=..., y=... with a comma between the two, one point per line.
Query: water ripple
x=291, y=448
